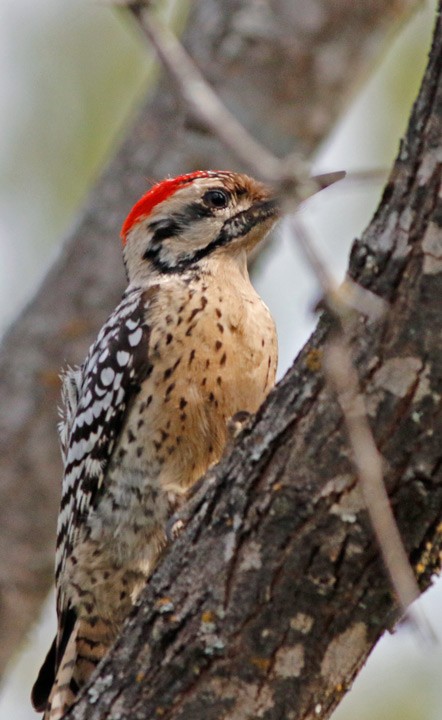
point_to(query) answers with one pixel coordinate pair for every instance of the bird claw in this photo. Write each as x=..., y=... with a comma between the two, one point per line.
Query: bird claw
x=190, y=502
x=174, y=528
x=188, y=507
x=235, y=425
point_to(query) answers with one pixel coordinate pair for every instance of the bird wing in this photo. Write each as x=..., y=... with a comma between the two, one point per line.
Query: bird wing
x=96, y=398
x=96, y=401
x=70, y=391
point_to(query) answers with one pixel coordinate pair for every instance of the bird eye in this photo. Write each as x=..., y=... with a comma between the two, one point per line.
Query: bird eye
x=216, y=198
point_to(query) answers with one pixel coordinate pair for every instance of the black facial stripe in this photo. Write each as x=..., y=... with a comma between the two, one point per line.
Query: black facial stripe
x=171, y=227
x=153, y=254
x=236, y=227
x=194, y=211
x=162, y=229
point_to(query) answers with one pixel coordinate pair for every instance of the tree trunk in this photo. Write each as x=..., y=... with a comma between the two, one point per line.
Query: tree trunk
x=271, y=599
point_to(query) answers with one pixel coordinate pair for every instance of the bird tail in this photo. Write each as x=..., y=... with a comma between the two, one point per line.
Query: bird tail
x=87, y=644
x=62, y=694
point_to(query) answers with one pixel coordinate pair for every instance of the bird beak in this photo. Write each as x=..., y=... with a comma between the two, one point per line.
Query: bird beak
x=326, y=179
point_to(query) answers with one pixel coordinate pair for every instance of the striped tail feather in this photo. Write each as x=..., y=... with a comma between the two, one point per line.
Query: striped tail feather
x=55, y=692
x=63, y=691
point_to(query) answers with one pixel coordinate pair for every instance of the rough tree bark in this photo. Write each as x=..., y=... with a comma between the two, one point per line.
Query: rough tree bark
x=304, y=59
x=271, y=599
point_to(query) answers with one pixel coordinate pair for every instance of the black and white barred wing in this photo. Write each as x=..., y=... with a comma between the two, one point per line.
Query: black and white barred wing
x=98, y=400
x=71, y=385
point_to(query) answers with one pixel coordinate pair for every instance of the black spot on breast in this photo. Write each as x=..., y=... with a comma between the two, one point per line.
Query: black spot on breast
x=144, y=405
x=169, y=389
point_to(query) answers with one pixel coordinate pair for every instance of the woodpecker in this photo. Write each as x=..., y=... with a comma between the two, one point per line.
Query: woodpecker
x=190, y=345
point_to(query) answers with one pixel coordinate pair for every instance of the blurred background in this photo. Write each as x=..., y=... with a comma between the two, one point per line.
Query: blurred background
x=71, y=76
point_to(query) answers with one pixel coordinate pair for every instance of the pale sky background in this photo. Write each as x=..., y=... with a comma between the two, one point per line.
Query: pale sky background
x=70, y=73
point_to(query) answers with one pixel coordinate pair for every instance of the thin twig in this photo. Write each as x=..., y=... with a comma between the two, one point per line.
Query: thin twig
x=290, y=175
x=290, y=179
x=205, y=104
x=342, y=299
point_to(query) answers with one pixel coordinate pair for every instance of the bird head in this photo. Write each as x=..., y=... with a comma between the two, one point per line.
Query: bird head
x=181, y=222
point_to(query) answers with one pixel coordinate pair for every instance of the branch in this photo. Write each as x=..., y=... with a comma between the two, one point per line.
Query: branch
x=202, y=101
x=270, y=601
x=288, y=175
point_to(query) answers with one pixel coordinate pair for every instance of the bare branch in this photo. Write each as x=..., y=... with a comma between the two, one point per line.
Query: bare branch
x=290, y=174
